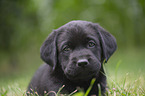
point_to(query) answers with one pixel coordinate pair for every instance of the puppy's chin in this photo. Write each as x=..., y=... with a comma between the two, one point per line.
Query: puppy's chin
x=80, y=76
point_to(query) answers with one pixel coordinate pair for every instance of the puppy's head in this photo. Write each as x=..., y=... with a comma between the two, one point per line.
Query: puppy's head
x=79, y=48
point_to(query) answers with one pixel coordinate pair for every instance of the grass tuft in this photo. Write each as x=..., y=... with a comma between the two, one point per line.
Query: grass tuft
x=126, y=86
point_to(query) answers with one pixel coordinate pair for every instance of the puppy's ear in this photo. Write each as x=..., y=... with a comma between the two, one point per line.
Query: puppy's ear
x=108, y=42
x=48, y=50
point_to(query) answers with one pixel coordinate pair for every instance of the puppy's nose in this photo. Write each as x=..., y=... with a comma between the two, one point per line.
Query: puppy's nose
x=82, y=62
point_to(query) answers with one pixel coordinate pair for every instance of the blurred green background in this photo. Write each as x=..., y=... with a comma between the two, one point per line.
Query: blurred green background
x=25, y=24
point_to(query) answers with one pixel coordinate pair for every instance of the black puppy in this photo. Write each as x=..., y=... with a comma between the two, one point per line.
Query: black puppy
x=74, y=54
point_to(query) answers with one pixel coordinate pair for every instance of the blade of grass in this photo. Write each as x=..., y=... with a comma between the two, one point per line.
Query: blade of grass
x=90, y=87
x=60, y=90
x=125, y=81
x=72, y=92
x=116, y=69
x=99, y=88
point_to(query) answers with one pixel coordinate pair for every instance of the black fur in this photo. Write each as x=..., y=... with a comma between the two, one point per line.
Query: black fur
x=74, y=54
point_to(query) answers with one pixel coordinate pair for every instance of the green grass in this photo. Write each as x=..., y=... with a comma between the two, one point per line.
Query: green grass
x=125, y=76
x=125, y=86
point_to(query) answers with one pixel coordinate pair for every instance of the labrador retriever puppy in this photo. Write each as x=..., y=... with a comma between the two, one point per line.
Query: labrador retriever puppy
x=74, y=54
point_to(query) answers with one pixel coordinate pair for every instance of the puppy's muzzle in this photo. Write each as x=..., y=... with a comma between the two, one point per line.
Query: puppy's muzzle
x=82, y=62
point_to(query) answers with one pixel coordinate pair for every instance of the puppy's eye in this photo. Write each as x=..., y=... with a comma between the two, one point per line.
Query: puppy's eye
x=66, y=48
x=91, y=44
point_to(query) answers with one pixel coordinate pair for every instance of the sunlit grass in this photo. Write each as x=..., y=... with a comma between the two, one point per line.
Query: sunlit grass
x=126, y=86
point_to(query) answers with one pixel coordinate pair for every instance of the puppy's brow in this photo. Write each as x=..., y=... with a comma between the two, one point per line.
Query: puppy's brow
x=60, y=45
x=93, y=38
